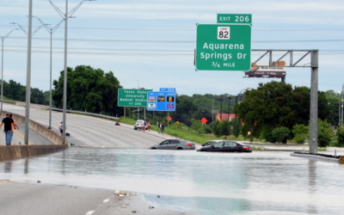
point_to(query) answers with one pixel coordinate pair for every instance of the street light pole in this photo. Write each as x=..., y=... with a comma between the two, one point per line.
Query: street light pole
x=65, y=17
x=2, y=65
x=28, y=77
x=51, y=31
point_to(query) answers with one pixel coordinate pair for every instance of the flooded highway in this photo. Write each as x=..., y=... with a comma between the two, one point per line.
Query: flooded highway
x=201, y=183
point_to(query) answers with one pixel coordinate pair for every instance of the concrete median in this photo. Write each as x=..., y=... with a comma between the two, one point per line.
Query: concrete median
x=44, y=131
x=18, y=152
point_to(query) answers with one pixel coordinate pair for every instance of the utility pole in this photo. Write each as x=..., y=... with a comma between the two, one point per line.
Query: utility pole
x=65, y=16
x=229, y=104
x=221, y=108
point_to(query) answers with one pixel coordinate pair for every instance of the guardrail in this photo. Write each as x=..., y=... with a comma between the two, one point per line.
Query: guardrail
x=8, y=101
x=86, y=113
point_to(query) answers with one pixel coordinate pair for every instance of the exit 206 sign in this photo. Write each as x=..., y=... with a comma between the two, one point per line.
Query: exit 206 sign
x=223, y=47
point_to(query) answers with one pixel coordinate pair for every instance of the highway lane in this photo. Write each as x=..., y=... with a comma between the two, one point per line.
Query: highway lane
x=93, y=131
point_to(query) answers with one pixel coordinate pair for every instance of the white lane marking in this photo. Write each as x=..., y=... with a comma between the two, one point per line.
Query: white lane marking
x=106, y=200
x=89, y=213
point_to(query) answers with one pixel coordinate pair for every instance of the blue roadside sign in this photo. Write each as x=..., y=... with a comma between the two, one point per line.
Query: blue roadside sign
x=161, y=101
x=167, y=89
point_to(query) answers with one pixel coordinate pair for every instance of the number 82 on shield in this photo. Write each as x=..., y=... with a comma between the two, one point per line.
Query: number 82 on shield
x=223, y=33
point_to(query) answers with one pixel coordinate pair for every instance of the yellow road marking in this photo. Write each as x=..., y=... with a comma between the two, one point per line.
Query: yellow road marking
x=2, y=182
x=20, y=135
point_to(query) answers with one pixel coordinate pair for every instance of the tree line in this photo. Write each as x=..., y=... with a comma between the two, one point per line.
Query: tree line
x=15, y=91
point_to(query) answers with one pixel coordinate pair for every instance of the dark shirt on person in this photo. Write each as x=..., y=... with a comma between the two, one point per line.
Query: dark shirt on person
x=8, y=123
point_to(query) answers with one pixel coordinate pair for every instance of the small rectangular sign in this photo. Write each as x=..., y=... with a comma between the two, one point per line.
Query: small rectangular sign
x=165, y=101
x=234, y=18
x=167, y=89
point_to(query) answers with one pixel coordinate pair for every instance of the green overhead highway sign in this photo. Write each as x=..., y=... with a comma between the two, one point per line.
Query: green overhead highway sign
x=223, y=47
x=234, y=18
x=132, y=97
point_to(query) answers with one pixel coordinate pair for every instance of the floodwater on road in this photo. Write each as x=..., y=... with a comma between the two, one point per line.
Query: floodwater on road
x=202, y=183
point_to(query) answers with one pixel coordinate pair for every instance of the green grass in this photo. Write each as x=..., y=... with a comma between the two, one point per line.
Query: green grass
x=186, y=134
x=320, y=149
x=258, y=148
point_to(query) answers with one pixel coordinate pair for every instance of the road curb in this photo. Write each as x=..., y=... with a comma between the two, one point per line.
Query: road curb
x=319, y=157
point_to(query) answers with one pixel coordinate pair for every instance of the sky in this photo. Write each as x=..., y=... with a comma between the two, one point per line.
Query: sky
x=150, y=43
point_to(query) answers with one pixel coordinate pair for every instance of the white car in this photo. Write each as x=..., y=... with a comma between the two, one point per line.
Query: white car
x=139, y=124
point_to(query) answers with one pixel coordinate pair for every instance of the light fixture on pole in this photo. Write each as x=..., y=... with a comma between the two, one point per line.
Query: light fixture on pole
x=51, y=31
x=3, y=38
x=65, y=17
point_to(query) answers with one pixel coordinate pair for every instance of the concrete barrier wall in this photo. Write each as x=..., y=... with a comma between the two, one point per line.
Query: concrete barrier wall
x=36, y=106
x=18, y=152
x=44, y=131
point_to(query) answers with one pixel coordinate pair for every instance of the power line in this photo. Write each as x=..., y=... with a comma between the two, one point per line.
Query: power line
x=188, y=30
x=179, y=41
x=129, y=50
x=141, y=54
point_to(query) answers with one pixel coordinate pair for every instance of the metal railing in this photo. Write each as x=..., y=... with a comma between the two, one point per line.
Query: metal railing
x=86, y=113
x=8, y=101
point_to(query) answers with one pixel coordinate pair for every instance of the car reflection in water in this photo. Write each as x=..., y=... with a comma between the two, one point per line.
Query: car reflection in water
x=224, y=146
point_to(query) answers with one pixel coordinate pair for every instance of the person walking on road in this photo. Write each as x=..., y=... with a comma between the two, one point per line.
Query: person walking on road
x=61, y=128
x=162, y=128
x=149, y=125
x=15, y=125
x=8, y=128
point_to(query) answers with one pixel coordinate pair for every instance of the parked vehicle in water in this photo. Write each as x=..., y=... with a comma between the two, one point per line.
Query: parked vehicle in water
x=212, y=142
x=174, y=144
x=140, y=124
x=224, y=146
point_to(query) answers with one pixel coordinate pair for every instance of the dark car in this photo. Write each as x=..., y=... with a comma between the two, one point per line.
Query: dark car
x=174, y=144
x=225, y=146
x=212, y=142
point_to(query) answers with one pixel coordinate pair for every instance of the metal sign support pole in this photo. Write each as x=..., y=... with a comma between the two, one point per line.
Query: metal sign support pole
x=144, y=109
x=313, y=127
x=124, y=111
x=168, y=116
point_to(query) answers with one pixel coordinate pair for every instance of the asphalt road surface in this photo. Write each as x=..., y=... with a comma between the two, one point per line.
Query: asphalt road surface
x=37, y=199
x=93, y=131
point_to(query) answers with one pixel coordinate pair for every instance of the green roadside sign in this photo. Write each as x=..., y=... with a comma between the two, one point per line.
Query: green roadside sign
x=132, y=97
x=223, y=47
x=234, y=18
